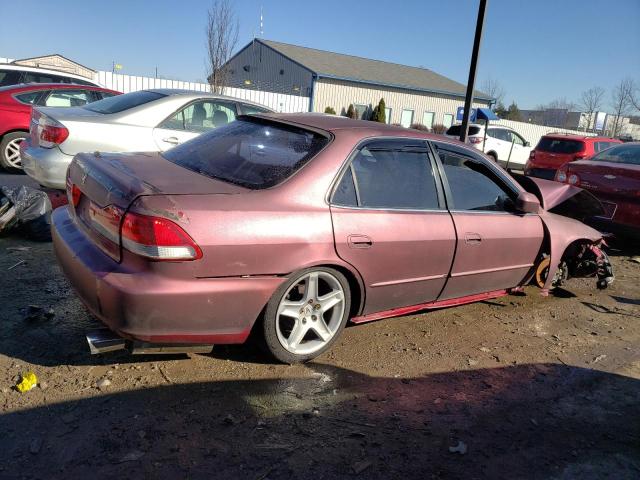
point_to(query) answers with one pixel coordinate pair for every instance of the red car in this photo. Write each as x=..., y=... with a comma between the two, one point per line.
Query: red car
x=613, y=176
x=556, y=149
x=16, y=102
x=290, y=225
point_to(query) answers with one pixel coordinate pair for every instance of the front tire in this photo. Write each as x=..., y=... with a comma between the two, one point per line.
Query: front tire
x=306, y=314
x=10, y=150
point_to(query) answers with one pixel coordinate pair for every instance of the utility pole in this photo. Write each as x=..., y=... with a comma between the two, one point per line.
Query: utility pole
x=468, y=101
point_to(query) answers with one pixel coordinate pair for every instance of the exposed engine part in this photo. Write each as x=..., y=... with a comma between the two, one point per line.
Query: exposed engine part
x=583, y=260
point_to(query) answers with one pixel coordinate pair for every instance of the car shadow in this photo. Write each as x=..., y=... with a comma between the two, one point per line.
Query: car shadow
x=603, y=309
x=524, y=421
x=625, y=300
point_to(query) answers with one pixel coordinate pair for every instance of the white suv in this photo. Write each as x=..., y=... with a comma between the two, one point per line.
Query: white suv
x=14, y=74
x=505, y=145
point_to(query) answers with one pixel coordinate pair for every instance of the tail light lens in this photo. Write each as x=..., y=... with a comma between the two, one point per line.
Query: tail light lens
x=475, y=140
x=157, y=238
x=47, y=131
x=573, y=179
x=73, y=193
x=561, y=175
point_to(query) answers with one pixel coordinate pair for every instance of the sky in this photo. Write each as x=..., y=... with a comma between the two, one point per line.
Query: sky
x=537, y=50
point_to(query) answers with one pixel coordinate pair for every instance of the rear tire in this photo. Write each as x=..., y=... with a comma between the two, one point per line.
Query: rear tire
x=306, y=314
x=10, y=150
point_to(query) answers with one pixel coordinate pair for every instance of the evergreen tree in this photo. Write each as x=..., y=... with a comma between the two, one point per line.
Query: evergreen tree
x=380, y=112
x=513, y=113
x=330, y=110
x=500, y=110
x=351, y=112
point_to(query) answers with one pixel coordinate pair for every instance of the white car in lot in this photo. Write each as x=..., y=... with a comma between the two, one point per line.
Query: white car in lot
x=142, y=121
x=505, y=145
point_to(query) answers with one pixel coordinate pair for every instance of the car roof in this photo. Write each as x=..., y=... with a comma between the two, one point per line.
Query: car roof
x=25, y=87
x=198, y=94
x=574, y=136
x=331, y=123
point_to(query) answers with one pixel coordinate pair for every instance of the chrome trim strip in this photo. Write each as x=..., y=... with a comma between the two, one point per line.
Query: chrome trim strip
x=408, y=280
x=490, y=270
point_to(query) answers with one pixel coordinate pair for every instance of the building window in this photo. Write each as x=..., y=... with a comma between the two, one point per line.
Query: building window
x=387, y=114
x=362, y=111
x=447, y=120
x=427, y=119
x=406, y=119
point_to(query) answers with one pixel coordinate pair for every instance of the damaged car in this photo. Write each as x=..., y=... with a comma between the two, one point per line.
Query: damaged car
x=288, y=226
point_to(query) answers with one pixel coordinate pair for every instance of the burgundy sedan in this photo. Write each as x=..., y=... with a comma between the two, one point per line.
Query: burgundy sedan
x=290, y=225
x=613, y=176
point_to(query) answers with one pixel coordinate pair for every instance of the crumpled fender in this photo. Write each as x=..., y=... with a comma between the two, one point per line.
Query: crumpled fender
x=561, y=232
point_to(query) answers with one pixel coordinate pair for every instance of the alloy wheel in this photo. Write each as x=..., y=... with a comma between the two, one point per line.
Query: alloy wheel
x=12, y=153
x=310, y=313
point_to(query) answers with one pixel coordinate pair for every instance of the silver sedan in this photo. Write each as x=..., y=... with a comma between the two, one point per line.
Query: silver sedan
x=143, y=121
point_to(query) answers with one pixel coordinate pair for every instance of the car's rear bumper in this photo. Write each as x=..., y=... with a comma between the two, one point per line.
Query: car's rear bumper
x=47, y=166
x=146, y=305
x=544, y=173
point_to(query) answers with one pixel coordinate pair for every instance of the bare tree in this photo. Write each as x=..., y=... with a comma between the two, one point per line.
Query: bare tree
x=222, y=37
x=635, y=95
x=591, y=102
x=494, y=89
x=621, y=102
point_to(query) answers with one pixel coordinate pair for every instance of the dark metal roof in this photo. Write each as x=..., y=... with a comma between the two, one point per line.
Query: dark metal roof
x=364, y=70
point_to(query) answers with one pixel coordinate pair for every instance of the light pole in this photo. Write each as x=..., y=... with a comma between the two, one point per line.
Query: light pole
x=472, y=71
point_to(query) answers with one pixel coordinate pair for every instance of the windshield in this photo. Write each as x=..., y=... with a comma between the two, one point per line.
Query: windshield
x=120, y=103
x=629, y=154
x=251, y=152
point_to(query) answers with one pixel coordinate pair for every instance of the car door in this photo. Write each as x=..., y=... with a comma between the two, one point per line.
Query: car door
x=192, y=120
x=496, y=246
x=495, y=142
x=519, y=151
x=391, y=224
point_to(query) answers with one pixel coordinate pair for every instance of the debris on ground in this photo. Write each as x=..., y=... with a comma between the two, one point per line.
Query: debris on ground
x=27, y=382
x=460, y=448
x=103, y=383
x=598, y=358
x=361, y=466
x=26, y=211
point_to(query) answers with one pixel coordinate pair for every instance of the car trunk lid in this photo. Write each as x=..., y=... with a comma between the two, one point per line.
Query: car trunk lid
x=607, y=178
x=102, y=187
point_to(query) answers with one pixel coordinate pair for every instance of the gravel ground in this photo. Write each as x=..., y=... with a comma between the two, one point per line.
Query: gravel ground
x=517, y=387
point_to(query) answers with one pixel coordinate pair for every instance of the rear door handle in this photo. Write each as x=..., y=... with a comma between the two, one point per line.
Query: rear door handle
x=359, y=241
x=171, y=140
x=472, y=238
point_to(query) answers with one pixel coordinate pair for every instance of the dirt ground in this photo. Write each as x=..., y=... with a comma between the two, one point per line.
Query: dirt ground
x=518, y=387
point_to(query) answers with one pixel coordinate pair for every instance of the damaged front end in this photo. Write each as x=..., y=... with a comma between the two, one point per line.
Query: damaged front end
x=572, y=249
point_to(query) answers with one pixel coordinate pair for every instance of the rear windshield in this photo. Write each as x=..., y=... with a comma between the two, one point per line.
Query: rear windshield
x=252, y=153
x=455, y=130
x=120, y=103
x=559, y=145
x=629, y=154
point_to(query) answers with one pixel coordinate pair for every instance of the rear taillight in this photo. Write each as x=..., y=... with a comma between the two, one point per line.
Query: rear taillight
x=47, y=131
x=580, y=156
x=73, y=193
x=157, y=238
x=475, y=140
x=561, y=174
x=573, y=179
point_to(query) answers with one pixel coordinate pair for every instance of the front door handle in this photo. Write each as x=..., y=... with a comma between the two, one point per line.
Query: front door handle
x=171, y=140
x=359, y=241
x=472, y=238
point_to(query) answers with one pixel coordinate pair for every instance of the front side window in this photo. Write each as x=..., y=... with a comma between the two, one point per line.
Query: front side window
x=119, y=103
x=383, y=175
x=250, y=152
x=474, y=186
x=515, y=138
x=202, y=116
x=67, y=98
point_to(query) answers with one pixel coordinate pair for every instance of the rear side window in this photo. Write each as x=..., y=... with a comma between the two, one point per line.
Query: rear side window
x=249, y=109
x=250, y=153
x=120, y=103
x=559, y=145
x=383, y=176
x=455, y=130
x=28, y=97
x=9, y=77
x=67, y=98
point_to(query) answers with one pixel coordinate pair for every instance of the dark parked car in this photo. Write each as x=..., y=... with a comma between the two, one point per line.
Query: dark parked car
x=292, y=224
x=17, y=101
x=613, y=176
x=556, y=149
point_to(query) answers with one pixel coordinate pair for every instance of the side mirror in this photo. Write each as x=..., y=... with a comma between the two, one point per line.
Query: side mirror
x=527, y=144
x=527, y=203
